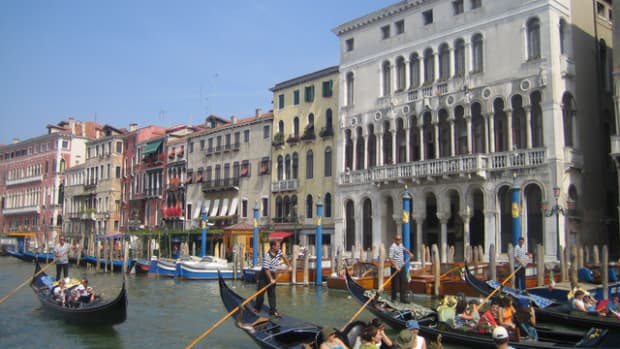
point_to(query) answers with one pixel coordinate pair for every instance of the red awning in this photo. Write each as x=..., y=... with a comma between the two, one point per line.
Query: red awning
x=279, y=235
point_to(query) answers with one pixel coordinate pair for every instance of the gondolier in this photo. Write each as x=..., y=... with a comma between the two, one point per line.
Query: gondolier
x=61, y=256
x=520, y=257
x=397, y=258
x=267, y=276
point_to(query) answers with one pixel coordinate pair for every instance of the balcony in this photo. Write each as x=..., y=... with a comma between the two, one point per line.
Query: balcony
x=292, y=139
x=480, y=165
x=278, y=139
x=308, y=133
x=567, y=67
x=20, y=210
x=573, y=158
x=326, y=132
x=220, y=184
x=285, y=185
x=23, y=180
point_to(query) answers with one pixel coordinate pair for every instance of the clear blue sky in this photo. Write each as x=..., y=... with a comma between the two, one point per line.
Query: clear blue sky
x=157, y=62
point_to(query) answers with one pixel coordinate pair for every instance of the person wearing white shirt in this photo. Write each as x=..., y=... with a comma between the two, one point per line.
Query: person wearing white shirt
x=520, y=257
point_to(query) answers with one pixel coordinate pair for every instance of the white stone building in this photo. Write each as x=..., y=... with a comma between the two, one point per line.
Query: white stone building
x=451, y=98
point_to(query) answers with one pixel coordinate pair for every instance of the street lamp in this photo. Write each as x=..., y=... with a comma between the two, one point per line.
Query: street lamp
x=556, y=210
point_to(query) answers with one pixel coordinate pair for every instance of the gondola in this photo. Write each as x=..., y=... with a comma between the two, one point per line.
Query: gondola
x=99, y=312
x=283, y=332
x=431, y=328
x=549, y=311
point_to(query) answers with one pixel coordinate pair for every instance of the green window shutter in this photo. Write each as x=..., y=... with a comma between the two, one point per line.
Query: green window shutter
x=296, y=97
x=280, y=101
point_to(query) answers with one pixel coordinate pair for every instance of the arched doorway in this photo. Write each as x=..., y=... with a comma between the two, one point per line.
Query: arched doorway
x=504, y=200
x=532, y=195
x=349, y=236
x=367, y=224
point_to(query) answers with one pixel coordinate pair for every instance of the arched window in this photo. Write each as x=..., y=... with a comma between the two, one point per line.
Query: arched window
x=478, y=61
x=429, y=66
x=295, y=165
x=327, y=205
x=349, y=87
x=310, y=119
x=414, y=70
x=387, y=82
x=281, y=126
x=287, y=167
x=278, y=208
x=401, y=78
x=328, y=162
x=459, y=57
x=280, y=169
x=562, y=29
x=309, y=206
x=533, y=38
x=296, y=127
x=444, y=62
x=328, y=119
x=309, y=164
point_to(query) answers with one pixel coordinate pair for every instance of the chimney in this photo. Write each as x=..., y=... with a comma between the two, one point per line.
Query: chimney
x=233, y=119
x=132, y=127
x=258, y=112
x=15, y=140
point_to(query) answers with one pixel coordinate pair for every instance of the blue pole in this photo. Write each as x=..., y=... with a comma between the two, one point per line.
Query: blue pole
x=516, y=209
x=406, y=225
x=255, y=237
x=203, y=242
x=319, y=243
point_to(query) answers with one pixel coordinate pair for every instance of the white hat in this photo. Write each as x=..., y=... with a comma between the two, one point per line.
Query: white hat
x=500, y=335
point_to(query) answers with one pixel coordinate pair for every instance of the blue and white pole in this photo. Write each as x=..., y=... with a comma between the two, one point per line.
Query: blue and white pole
x=319, y=243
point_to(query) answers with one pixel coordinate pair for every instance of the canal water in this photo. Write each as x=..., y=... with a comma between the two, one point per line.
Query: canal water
x=162, y=313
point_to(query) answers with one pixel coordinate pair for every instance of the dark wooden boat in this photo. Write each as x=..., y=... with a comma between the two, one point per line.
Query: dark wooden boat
x=431, y=328
x=142, y=266
x=284, y=332
x=548, y=310
x=99, y=312
x=115, y=265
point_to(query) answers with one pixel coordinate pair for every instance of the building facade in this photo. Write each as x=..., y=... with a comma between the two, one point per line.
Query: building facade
x=303, y=149
x=32, y=179
x=451, y=99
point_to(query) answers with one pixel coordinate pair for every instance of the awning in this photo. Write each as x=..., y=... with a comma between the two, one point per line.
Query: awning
x=233, y=207
x=206, y=205
x=224, y=210
x=279, y=235
x=152, y=147
x=197, y=211
x=21, y=234
x=112, y=236
x=216, y=205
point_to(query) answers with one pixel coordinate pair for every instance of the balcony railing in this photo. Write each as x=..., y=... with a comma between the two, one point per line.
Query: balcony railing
x=220, y=184
x=285, y=185
x=472, y=164
x=20, y=210
x=24, y=180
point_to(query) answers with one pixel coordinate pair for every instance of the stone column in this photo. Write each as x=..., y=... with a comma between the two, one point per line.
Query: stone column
x=443, y=240
x=491, y=121
x=469, y=135
x=394, y=149
x=379, y=149
x=436, y=130
x=421, y=140
x=509, y=128
x=466, y=216
x=419, y=221
x=528, y=127
x=365, y=159
x=354, y=163
x=407, y=145
x=452, y=137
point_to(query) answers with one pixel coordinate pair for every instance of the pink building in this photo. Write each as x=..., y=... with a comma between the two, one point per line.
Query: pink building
x=32, y=178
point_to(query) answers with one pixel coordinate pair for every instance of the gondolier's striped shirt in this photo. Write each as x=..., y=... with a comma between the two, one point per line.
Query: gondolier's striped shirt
x=271, y=262
x=397, y=254
x=521, y=254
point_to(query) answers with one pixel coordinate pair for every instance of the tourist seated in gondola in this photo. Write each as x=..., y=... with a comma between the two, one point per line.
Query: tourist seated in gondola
x=84, y=293
x=577, y=303
x=613, y=307
x=59, y=292
x=384, y=343
x=506, y=314
x=526, y=319
x=467, y=315
x=488, y=320
x=370, y=337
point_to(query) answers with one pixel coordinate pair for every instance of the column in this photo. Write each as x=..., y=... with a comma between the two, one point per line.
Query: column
x=421, y=140
x=509, y=127
x=443, y=240
x=380, y=149
x=466, y=216
x=354, y=160
x=528, y=126
x=419, y=221
x=319, y=242
x=491, y=121
x=452, y=136
x=469, y=135
x=436, y=129
x=365, y=159
x=407, y=145
x=394, y=150
x=407, y=74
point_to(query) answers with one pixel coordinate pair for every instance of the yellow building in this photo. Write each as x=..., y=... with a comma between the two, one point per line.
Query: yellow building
x=303, y=154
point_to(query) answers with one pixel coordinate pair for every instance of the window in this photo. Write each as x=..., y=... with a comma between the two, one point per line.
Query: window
x=457, y=6
x=477, y=53
x=281, y=101
x=429, y=66
x=400, y=74
x=210, y=145
x=385, y=73
x=327, y=205
x=244, y=208
x=296, y=127
x=562, y=36
x=236, y=169
x=309, y=207
x=65, y=145
x=237, y=138
x=349, y=87
x=427, y=17
x=459, y=57
x=202, y=144
x=444, y=62
x=309, y=164
x=296, y=97
x=476, y=4
x=349, y=45
x=400, y=26
x=245, y=169
x=328, y=162
x=246, y=136
x=309, y=93
x=414, y=70
x=264, y=166
x=533, y=39
x=191, y=147
x=265, y=206
x=328, y=88
x=266, y=131
x=118, y=172
x=385, y=32
x=119, y=147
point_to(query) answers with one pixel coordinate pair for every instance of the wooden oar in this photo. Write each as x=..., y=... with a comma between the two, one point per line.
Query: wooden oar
x=208, y=332
x=449, y=271
x=500, y=286
x=25, y=282
x=369, y=300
